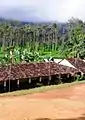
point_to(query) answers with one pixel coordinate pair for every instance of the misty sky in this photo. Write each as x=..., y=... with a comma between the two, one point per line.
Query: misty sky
x=46, y=10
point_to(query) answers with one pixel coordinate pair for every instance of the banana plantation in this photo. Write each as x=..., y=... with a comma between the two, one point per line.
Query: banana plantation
x=35, y=42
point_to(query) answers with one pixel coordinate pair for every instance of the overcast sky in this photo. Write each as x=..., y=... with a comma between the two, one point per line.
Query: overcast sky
x=47, y=10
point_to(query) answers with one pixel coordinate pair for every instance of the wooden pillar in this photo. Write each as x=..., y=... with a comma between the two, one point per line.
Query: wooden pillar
x=49, y=81
x=9, y=85
x=4, y=85
x=29, y=80
x=18, y=83
x=68, y=75
x=82, y=73
x=40, y=79
x=60, y=79
x=49, y=78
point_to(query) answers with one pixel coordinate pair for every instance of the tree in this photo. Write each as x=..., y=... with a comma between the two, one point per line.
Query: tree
x=76, y=41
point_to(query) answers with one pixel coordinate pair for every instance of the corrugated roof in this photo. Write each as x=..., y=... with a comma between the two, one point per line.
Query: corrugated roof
x=66, y=63
x=20, y=71
x=57, y=60
x=78, y=63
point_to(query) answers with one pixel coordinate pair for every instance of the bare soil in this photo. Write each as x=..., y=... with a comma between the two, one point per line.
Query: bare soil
x=59, y=104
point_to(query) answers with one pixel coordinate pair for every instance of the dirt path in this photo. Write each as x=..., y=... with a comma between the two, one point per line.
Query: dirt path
x=61, y=104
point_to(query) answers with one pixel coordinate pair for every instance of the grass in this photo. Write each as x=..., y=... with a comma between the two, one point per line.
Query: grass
x=41, y=89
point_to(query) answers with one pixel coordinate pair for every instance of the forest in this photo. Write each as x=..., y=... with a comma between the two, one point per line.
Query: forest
x=33, y=42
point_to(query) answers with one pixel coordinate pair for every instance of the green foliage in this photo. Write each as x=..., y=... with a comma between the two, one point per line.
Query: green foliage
x=34, y=42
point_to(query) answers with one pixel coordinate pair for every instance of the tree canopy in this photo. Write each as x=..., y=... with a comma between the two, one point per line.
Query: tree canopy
x=34, y=42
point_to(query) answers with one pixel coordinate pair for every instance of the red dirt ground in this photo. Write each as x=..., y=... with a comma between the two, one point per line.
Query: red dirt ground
x=59, y=104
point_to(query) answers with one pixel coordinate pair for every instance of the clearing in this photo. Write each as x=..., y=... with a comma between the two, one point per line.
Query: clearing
x=67, y=103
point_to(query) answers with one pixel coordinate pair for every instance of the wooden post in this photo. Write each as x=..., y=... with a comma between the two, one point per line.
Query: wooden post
x=60, y=80
x=11, y=58
x=9, y=76
x=4, y=85
x=29, y=80
x=49, y=80
x=18, y=83
x=9, y=84
x=40, y=79
x=68, y=75
x=82, y=73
